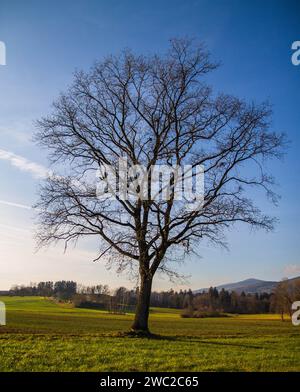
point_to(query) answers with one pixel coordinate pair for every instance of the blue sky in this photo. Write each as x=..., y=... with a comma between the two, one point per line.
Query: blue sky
x=47, y=40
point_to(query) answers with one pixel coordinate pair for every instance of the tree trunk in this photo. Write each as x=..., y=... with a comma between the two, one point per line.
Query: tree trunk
x=142, y=310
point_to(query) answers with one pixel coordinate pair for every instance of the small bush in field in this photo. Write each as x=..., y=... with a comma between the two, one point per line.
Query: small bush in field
x=201, y=314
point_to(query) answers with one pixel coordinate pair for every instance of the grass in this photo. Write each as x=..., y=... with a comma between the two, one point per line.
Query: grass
x=41, y=335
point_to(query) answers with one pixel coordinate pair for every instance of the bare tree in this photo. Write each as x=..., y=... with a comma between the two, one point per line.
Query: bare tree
x=153, y=110
x=285, y=293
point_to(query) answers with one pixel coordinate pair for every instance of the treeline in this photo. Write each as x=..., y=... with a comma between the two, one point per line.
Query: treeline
x=193, y=304
x=101, y=296
x=222, y=301
x=214, y=302
x=63, y=289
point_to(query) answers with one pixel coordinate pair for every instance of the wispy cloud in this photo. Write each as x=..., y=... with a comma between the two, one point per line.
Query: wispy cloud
x=291, y=270
x=17, y=132
x=35, y=169
x=18, y=205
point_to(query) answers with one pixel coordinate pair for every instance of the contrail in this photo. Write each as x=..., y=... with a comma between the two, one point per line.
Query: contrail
x=11, y=204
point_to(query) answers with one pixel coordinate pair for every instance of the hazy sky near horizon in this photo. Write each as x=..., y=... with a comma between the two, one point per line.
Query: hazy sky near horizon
x=47, y=40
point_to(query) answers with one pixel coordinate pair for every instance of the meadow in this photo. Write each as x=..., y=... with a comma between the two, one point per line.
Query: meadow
x=42, y=335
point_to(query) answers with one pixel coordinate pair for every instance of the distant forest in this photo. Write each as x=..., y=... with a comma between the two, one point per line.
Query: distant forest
x=192, y=304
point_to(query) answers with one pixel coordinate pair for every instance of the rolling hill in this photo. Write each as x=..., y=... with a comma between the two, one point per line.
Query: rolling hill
x=249, y=286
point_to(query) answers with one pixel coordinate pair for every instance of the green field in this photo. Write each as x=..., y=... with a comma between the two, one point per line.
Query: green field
x=41, y=335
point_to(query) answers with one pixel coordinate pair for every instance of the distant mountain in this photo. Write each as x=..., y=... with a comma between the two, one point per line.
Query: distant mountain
x=250, y=286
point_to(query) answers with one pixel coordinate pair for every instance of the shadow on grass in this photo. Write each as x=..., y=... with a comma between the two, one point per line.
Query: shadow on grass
x=176, y=338
x=7, y=332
